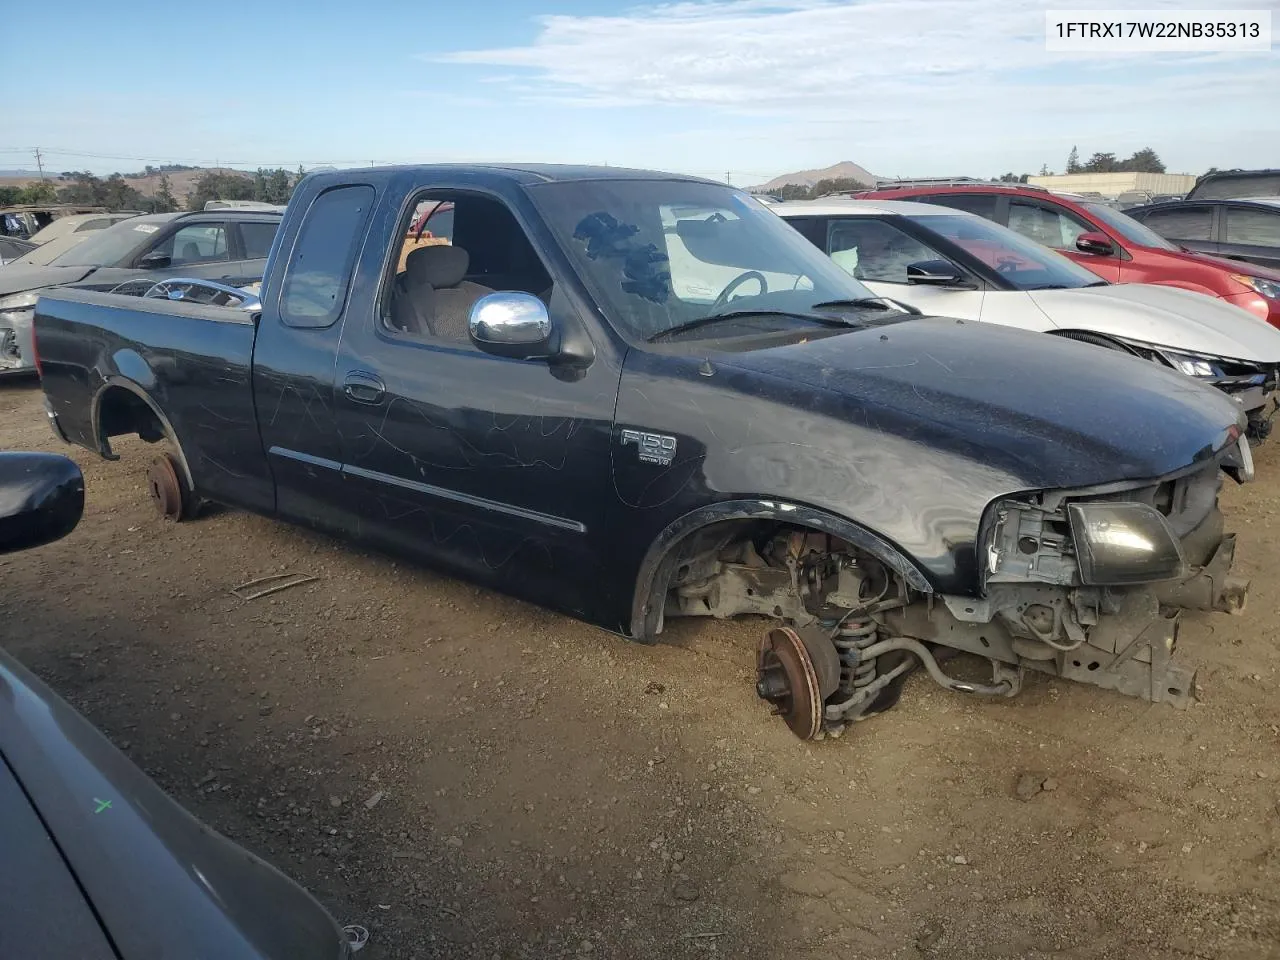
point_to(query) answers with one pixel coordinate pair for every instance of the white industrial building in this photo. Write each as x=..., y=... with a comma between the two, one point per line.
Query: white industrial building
x=1114, y=184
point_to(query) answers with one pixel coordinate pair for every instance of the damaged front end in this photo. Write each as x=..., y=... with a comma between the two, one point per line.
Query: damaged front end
x=1087, y=585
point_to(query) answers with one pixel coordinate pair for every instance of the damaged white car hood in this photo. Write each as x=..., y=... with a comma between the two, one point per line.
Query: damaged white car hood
x=1163, y=316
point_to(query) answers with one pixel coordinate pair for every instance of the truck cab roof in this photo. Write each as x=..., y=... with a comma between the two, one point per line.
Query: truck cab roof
x=523, y=173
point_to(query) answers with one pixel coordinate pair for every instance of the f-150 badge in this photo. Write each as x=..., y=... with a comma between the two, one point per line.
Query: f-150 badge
x=654, y=447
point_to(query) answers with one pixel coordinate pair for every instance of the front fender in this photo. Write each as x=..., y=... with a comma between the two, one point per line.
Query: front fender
x=660, y=559
x=1185, y=285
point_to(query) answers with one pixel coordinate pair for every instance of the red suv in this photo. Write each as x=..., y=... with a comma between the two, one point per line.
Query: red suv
x=1117, y=248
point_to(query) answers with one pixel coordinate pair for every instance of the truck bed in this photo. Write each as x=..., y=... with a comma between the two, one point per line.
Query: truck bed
x=97, y=349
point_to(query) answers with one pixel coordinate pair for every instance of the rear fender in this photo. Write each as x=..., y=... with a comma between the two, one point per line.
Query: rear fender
x=661, y=558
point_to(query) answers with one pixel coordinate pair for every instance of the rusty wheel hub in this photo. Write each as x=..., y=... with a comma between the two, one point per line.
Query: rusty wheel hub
x=796, y=675
x=165, y=487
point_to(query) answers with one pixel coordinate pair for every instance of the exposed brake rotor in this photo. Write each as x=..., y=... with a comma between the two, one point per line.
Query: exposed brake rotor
x=796, y=673
x=165, y=486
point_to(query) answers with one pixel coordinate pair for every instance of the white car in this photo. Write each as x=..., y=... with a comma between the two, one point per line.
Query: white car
x=65, y=232
x=949, y=263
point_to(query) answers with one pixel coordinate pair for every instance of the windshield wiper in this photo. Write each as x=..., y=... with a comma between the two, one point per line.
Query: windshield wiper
x=739, y=314
x=875, y=303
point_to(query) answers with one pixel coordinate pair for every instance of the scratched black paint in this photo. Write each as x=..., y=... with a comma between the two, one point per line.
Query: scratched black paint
x=514, y=472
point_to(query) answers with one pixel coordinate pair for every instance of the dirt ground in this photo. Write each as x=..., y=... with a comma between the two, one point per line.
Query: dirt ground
x=471, y=777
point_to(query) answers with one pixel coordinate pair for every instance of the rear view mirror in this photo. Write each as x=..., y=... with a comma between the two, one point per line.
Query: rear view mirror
x=1098, y=244
x=511, y=324
x=935, y=273
x=155, y=261
x=41, y=499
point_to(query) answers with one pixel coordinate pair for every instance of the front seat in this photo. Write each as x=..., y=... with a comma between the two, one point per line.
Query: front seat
x=190, y=252
x=412, y=296
x=444, y=267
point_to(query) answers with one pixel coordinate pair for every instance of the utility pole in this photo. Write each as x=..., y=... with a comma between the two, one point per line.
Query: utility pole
x=728, y=179
x=39, y=163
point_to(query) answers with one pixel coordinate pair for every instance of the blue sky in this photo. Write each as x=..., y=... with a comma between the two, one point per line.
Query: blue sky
x=749, y=87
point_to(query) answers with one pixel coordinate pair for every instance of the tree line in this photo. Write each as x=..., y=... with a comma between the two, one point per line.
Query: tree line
x=1145, y=160
x=82, y=188
x=796, y=191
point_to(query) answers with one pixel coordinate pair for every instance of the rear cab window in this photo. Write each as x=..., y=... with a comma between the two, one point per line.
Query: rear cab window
x=320, y=265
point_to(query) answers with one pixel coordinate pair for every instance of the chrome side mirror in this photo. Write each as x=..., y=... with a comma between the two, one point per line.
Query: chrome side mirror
x=511, y=324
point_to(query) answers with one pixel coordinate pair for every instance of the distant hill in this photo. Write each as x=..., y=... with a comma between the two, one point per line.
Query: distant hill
x=844, y=170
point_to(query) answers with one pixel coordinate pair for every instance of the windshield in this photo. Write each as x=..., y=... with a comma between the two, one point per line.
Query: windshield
x=108, y=247
x=1022, y=263
x=1128, y=227
x=665, y=254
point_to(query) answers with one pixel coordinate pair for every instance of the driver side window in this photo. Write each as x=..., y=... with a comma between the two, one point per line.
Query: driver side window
x=1048, y=227
x=195, y=243
x=458, y=247
x=873, y=250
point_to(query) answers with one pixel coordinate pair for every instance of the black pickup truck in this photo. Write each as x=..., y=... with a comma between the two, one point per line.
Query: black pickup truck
x=631, y=396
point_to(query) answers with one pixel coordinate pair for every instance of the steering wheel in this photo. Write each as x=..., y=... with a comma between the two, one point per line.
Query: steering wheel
x=1007, y=266
x=738, y=281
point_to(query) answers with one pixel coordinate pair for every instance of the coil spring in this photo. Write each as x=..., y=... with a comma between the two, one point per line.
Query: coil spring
x=850, y=639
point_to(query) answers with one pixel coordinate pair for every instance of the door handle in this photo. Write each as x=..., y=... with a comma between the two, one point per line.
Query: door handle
x=364, y=388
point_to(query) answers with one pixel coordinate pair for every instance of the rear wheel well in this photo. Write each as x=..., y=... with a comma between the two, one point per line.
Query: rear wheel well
x=122, y=412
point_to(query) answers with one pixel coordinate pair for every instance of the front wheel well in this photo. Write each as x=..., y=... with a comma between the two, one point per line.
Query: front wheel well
x=691, y=547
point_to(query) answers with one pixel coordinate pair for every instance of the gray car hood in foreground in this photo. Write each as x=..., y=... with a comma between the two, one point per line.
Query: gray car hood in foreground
x=162, y=883
x=20, y=277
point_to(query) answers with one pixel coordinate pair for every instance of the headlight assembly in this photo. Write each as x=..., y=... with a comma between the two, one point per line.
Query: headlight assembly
x=1121, y=543
x=1268, y=288
x=19, y=302
x=1193, y=366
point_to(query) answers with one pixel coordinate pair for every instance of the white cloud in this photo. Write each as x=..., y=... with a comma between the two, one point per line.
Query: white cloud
x=930, y=69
